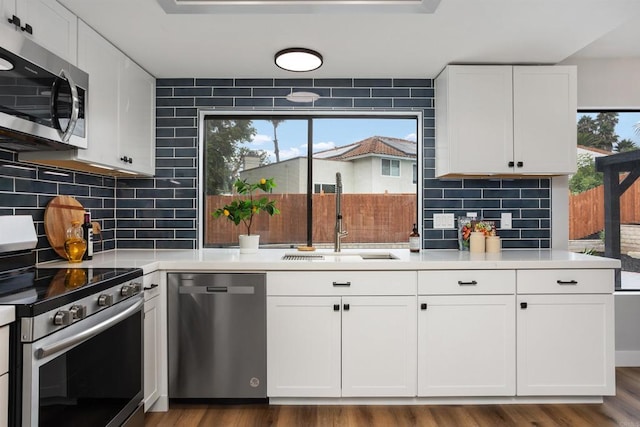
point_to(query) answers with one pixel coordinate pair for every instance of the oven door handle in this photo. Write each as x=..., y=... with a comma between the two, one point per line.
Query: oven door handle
x=47, y=350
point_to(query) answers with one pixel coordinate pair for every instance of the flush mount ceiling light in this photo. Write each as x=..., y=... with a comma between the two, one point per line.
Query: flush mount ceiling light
x=298, y=59
x=302, y=97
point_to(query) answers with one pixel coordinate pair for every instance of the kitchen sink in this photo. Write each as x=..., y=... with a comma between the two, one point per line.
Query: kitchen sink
x=340, y=256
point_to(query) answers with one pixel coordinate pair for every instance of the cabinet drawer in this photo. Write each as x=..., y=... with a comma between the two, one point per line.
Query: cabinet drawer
x=566, y=281
x=453, y=282
x=342, y=283
x=4, y=349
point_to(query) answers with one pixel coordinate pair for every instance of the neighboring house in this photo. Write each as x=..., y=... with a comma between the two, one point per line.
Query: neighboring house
x=592, y=152
x=374, y=165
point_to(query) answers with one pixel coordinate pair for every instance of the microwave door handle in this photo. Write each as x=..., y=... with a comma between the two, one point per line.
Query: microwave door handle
x=75, y=107
x=61, y=345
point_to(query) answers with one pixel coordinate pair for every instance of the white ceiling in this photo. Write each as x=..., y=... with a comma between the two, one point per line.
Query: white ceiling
x=366, y=44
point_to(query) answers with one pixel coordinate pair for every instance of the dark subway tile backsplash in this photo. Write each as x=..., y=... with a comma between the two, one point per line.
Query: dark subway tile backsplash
x=161, y=212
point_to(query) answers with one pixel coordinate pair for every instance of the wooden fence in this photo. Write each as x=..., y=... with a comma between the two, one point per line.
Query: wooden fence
x=369, y=218
x=586, y=210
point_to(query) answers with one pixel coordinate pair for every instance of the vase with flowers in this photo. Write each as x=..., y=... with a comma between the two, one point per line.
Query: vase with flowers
x=246, y=206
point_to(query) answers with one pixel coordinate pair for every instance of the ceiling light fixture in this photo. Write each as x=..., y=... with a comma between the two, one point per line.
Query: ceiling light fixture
x=5, y=64
x=298, y=59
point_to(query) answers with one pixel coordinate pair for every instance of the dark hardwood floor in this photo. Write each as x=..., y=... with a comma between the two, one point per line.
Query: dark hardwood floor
x=623, y=409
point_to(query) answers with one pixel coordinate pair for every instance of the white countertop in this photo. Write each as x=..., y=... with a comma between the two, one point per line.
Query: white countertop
x=7, y=315
x=270, y=260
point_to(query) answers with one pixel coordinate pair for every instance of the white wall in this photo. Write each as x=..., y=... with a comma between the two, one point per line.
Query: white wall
x=614, y=84
x=607, y=83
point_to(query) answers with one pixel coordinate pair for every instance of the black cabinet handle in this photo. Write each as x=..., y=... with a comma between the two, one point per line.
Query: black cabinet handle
x=336, y=307
x=127, y=159
x=14, y=20
x=423, y=306
x=27, y=29
x=346, y=307
x=510, y=164
x=520, y=164
x=471, y=283
x=523, y=305
x=566, y=282
x=153, y=285
x=341, y=283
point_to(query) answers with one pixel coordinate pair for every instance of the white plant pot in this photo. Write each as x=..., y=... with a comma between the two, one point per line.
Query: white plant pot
x=249, y=243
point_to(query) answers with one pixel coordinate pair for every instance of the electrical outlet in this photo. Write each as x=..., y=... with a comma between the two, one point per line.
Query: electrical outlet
x=505, y=220
x=441, y=221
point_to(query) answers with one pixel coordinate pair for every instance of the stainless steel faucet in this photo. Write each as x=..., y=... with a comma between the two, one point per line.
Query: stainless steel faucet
x=339, y=232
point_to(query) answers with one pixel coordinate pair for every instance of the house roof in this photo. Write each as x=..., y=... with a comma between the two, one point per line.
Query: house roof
x=380, y=145
x=595, y=150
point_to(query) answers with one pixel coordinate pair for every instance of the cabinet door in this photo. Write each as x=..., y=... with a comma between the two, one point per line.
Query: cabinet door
x=466, y=345
x=101, y=60
x=474, y=110
x=303, y=346
x=151, y=351
x=565, y=345
x=544, y=118
x=4, y=400
x=136, y=118
x=379, y=346
x=54, y=27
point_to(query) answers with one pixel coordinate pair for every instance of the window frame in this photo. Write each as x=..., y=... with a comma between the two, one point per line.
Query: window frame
x=304, y=114
x=391, y=162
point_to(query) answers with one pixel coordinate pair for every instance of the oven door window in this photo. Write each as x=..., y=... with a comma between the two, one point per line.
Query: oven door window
x=92, y=383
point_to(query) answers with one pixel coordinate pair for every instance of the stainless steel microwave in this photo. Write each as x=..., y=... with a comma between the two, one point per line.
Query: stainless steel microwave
x=43, y=98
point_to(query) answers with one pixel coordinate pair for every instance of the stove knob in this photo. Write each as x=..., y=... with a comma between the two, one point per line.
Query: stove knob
x=105, y=300
x=62, y=318
x=137, y=287
x=126, y=290
x=78, y=311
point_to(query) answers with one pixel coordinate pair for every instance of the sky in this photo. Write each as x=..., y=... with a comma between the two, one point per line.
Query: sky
x=328, y=133
x=624, y=128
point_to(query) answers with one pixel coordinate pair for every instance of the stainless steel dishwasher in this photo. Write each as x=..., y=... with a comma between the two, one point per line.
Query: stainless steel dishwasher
x=217, y=335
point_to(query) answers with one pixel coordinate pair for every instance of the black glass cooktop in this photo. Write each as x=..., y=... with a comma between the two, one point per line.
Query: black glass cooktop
x=35, y=291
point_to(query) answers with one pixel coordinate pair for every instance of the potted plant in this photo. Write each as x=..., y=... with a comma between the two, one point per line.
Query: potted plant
x=243, y=209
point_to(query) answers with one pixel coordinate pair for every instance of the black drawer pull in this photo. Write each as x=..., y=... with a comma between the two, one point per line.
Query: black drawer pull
x=153, y=285
x=346, y=307
x=471, y=283
x=520, y=164
x=336, y=307
x=341, y=283
x=566, y=282
x=523, y=305
x=423, y=306
x=510, y=164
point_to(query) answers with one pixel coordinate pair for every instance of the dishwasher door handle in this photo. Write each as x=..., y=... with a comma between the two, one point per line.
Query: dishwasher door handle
x=246, y=290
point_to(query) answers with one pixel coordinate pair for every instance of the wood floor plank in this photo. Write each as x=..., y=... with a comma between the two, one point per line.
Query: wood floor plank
x=622, y=410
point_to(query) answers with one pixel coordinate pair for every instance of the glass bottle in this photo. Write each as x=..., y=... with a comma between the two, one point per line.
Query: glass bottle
x=414, y=239
x=74, y=244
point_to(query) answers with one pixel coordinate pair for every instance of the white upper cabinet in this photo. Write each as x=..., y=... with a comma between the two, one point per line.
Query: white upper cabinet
x=121, y=114
x=506, y=120
x=47, y=23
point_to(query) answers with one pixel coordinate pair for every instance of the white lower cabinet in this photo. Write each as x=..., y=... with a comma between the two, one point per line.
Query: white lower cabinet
x=466, y=345
x=565, y=333
x=303, y=346
x=152, y=348
x=336, y=344
x=4, y=400
x=466, y=333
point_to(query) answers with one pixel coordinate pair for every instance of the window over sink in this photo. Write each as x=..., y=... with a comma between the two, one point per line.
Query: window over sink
x=376, y=154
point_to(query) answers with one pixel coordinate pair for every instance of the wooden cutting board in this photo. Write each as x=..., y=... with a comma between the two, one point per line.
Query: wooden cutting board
x=58, y=215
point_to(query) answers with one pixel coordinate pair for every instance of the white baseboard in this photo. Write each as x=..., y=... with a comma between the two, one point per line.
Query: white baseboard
x=627, y=358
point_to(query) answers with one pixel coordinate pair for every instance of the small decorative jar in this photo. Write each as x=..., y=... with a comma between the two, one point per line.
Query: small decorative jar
x=492, y=244
x=476, y=241
x=74, y=244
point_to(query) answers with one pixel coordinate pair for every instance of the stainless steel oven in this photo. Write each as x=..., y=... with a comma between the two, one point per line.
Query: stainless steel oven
x=88, y=374
x=76, y=347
